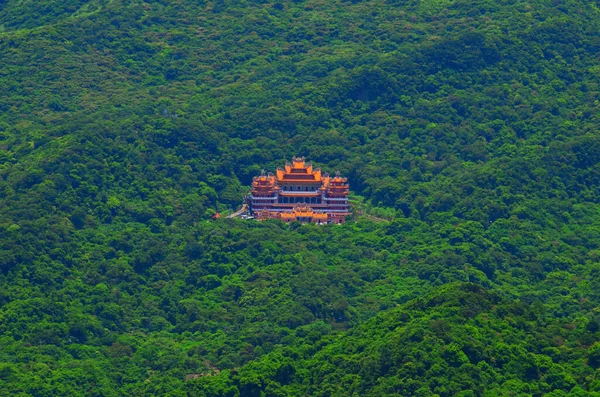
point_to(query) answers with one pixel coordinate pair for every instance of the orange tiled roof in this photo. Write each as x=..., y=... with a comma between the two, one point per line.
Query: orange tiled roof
x=298, y=171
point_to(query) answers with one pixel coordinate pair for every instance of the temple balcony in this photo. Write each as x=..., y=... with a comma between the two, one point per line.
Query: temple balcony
x=299, y=193
x=263, y=197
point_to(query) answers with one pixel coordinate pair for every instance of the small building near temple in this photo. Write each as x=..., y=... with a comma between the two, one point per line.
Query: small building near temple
x=299, y=192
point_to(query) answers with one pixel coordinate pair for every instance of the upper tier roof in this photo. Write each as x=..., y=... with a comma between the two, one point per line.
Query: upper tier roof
x=299, y=171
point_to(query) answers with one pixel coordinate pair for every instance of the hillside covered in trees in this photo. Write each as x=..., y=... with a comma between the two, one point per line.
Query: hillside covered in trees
x=471, y=125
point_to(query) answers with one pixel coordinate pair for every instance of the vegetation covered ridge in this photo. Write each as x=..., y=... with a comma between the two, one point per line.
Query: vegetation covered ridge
x=459, y=338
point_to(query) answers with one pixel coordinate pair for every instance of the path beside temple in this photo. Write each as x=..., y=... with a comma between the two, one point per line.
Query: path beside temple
x=238, y=212
x=359, y=212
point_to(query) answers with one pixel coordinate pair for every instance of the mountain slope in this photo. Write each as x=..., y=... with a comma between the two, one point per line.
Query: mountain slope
x=460, y=340
x=124, y=126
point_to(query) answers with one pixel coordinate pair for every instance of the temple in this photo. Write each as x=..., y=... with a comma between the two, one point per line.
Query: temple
x=299, y=192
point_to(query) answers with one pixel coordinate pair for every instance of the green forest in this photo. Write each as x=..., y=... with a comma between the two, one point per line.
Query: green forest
x=469, y=126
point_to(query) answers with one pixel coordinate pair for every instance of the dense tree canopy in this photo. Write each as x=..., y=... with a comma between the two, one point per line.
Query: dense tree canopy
x=470, y=126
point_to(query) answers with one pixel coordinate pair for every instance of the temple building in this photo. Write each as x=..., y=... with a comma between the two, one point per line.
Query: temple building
x=299, y=192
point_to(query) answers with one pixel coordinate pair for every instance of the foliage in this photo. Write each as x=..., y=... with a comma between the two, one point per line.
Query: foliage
x=469, y=126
